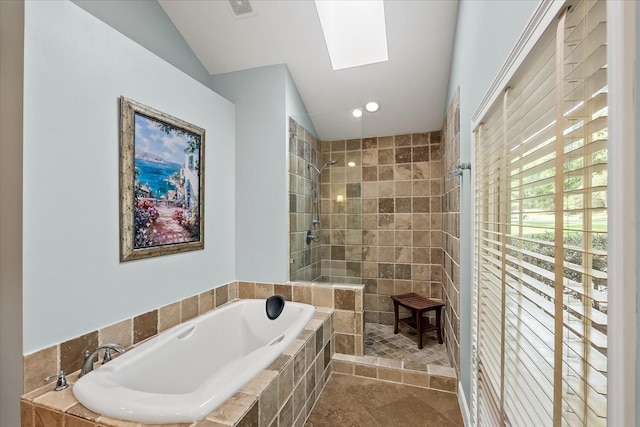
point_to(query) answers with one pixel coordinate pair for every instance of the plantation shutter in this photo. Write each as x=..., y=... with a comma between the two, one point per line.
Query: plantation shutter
x=541, y=233
x=490, y=253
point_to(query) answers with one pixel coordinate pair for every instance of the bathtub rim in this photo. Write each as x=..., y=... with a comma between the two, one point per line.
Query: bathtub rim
x=96, y=382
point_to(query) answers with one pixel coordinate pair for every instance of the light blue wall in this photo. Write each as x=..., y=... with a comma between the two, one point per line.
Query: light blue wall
x=145, y=22
x=296, y=107
x=261, y=170
x=486, y=33
x=264, y=98
x=75, y=69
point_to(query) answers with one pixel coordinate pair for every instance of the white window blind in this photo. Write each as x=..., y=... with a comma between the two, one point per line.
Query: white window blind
x=541, y=233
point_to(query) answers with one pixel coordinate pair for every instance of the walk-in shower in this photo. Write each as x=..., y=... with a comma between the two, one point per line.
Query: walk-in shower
x=314, y=233
x=325, y=207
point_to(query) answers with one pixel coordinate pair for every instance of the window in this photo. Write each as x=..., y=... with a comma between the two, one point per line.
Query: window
x=541, y=233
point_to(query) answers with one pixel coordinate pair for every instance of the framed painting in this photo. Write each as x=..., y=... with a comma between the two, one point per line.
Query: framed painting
x=161, y=183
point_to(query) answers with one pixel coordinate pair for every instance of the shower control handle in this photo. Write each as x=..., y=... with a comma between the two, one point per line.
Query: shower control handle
x=310, y=237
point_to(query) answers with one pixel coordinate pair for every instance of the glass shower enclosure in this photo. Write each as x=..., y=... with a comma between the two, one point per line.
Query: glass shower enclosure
x=325, y=206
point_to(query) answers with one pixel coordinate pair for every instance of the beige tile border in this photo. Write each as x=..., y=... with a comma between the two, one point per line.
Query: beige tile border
x=442, y=378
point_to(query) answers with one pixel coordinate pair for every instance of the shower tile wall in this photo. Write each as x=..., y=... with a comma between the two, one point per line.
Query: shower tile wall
x=341, y=193
x=385, y=217
x=304, y=260
x=451, y=230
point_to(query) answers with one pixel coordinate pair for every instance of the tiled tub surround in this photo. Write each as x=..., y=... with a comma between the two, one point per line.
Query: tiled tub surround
x=347, y=321
x=451, y=232
x=391, y=232
x=67, y=356
x=283, y=394
x=183, y=374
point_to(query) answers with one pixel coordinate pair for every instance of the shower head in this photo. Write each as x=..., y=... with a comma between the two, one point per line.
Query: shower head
x=326, y=165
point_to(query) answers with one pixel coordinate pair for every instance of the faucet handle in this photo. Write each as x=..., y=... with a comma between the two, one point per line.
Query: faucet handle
x=107, y=356
x=61, y=383
x=107, y=351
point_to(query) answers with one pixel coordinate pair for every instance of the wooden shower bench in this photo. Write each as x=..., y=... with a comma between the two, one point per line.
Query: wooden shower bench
x=417, y=304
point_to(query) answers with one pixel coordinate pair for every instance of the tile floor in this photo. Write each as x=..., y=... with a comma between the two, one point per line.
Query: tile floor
x=380, y=341
x=364, y=402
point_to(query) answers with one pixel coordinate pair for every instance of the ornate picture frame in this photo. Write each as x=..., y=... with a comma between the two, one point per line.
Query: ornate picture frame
x=161, y=183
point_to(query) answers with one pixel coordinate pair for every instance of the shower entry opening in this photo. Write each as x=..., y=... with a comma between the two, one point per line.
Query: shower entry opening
x=325, y=208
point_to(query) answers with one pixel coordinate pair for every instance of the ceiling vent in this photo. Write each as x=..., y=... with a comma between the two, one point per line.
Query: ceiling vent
x=241, y=8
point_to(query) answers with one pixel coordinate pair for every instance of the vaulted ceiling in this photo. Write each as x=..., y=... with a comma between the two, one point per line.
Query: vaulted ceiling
x=411, y=86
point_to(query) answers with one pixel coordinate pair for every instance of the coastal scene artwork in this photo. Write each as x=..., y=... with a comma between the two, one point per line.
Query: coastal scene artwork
x=162, y=177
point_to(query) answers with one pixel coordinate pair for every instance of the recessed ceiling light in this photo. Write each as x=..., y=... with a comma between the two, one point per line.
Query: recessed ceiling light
x=351, y=164
x=372, y=107
x=355, y=32
x=357, y=113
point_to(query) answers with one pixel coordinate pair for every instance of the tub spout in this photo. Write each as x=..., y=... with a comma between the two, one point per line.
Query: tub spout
x=274, y=306
x=89, y=357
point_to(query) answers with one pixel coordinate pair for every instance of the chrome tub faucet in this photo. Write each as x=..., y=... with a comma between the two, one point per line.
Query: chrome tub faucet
x=89, y=357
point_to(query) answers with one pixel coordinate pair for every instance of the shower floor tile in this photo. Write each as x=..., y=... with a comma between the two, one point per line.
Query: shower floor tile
x=380, y=341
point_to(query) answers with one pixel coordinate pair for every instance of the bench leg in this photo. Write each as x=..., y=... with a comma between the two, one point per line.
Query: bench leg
x=438, y=328
x=395, y=324
x=419, y=327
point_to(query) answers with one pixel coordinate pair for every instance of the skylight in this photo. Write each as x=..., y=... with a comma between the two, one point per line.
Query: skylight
x=355, y=31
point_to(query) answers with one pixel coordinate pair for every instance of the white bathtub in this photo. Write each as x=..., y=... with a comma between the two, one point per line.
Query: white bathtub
x=184, y=373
